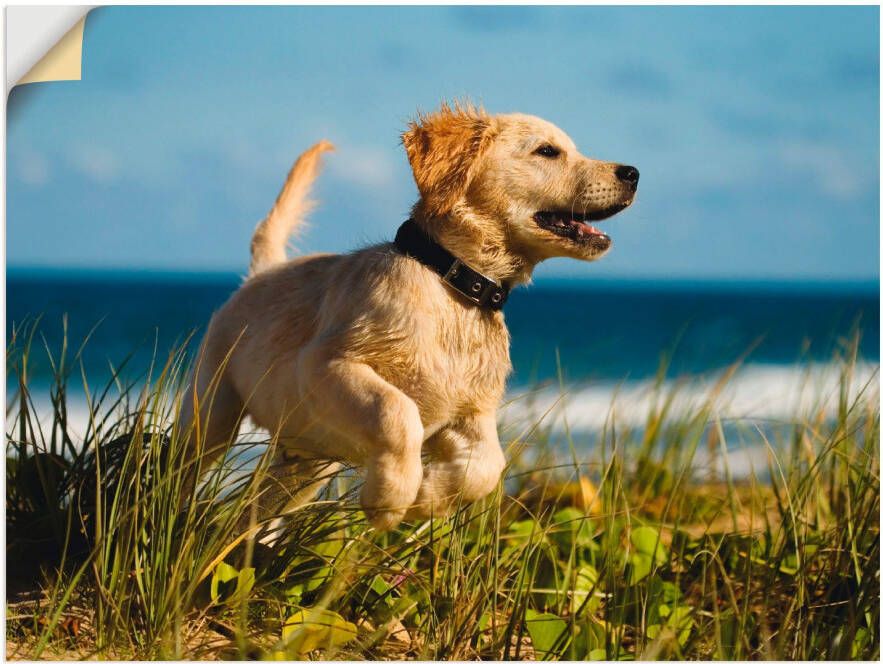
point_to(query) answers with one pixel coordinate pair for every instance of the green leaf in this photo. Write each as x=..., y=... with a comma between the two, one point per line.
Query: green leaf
x=671, y=594
x=380, y=585
x=572, y=530
x=589, y=636
x=329, y=549
x=598, y=655
x=546, y=631
x=222, y=578
x=646, y=541
x=311, y=629
x=648, y=552
x=229, y=584
x=294, y=593
x=640, y=566
x=586, y=581
x=681, y=621
x=586, y=578
x=244, y=582
x=519, y=532
x=858, y=644
x=568, y=515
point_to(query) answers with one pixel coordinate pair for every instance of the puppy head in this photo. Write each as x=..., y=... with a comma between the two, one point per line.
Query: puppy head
x=520, y=178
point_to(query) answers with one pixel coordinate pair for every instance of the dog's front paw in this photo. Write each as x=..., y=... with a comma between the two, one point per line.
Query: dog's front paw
x=385, y=503
x=391, y=485
x=384, y=518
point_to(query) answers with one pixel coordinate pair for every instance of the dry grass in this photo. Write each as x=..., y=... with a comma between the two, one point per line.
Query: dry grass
x=620, y=553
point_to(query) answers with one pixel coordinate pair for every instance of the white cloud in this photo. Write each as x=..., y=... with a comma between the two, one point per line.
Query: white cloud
x=828, y=166
x=95, y=162
x=366, y=166
x=33, y=168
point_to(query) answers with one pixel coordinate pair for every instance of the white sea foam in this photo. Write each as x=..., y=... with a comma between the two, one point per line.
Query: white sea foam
x=761, y=394
x=754, y=392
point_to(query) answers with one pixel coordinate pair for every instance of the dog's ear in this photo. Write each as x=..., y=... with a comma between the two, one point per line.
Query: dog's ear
x=442, y=148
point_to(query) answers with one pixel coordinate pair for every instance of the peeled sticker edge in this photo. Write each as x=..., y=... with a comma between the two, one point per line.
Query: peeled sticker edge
x=33, y=28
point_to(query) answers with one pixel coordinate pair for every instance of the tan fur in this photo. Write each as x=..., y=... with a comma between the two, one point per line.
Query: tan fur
x=369, y=357
x=443, y=148
x=289, y=211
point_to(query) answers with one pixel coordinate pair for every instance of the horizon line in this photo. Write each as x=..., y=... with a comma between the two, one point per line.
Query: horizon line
x=143, y=273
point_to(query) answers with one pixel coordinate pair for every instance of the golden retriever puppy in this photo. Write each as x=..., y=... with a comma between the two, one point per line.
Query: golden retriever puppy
x=383, y=357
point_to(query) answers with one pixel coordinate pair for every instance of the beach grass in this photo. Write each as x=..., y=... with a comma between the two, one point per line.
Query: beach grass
x=638, y=543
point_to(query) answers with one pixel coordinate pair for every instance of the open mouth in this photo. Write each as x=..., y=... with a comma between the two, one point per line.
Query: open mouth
x=573, y=226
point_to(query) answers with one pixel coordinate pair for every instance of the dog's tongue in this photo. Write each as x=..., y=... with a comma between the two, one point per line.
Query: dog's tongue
x=588, y=228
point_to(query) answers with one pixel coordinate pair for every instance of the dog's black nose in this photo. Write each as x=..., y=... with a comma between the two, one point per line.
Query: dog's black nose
x=628, y=174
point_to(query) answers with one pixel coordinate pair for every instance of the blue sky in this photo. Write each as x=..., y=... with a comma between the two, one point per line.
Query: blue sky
x=756, y=130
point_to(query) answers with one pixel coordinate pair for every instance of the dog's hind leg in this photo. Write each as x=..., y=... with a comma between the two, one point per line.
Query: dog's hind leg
x=466, y=462
x=289, y=484
x=221, y=413
x=381, y=423
x=219, y=407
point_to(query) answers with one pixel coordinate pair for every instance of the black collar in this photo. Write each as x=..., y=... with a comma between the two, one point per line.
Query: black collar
x=482, y=291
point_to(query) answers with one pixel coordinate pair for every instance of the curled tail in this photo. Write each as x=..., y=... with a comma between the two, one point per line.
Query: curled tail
x=289, y=211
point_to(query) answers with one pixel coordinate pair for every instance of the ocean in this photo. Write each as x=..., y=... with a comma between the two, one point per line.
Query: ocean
x=596, y=341
x=606, y=330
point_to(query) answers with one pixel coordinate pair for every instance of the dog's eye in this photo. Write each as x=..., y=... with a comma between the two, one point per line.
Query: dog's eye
x=547, y=150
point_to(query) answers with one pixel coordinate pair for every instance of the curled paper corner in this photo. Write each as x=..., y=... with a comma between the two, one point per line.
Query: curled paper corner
x=44, y=43
x=63, y=62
